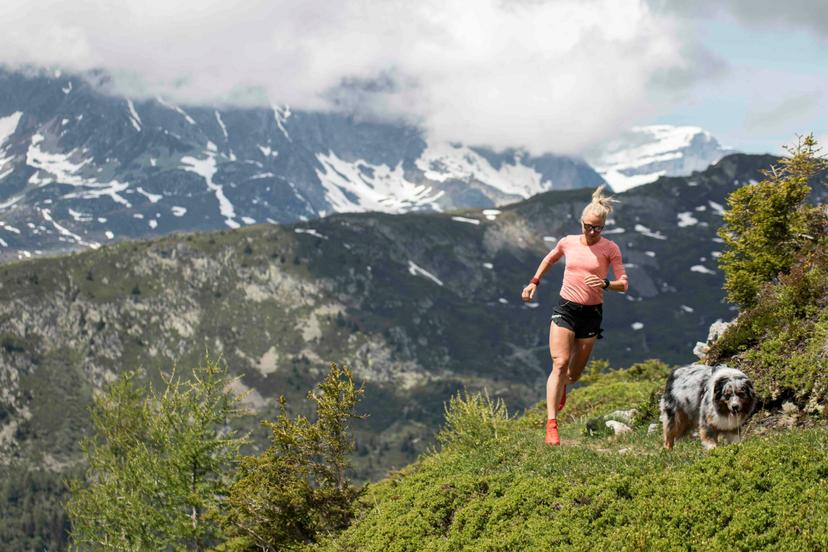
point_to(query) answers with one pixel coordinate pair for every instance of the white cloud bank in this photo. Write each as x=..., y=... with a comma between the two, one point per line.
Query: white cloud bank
x=548, y=76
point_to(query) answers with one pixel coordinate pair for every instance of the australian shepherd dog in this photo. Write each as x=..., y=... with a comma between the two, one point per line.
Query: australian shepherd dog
x=714, y=399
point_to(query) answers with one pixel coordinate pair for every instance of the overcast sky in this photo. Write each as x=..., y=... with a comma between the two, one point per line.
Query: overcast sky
x=554, y=76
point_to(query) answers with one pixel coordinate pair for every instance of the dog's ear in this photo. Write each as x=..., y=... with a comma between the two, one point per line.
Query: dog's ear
x=718, y=388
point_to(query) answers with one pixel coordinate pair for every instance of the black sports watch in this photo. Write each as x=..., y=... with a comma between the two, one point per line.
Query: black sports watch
x=606, y=283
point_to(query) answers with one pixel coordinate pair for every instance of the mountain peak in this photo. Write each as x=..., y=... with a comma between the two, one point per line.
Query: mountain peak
x=644, y=153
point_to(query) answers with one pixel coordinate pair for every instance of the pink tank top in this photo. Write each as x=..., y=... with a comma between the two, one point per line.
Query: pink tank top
x=582, y=260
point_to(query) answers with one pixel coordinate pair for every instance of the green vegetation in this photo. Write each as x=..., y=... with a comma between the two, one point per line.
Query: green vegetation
x=297, y=490
x=776, y=267
x=159, y=464
x=509, y=491
x=769, y=224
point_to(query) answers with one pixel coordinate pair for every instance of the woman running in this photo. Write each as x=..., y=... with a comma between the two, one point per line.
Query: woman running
x=576, y=320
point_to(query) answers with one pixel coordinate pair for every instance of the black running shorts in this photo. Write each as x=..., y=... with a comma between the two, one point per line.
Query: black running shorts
x=584, y=320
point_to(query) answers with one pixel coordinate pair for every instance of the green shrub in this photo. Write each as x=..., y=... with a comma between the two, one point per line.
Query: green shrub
x=159, y=463
x=472, y=419
x=768, y=224
x=297, y=490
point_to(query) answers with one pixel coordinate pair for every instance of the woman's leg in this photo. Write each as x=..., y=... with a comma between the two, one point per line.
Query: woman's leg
x=561, y=345
x=581, y=350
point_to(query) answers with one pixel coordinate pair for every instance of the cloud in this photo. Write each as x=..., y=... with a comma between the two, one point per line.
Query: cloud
x=810, y=15
x=794, y=108
x=555, y=75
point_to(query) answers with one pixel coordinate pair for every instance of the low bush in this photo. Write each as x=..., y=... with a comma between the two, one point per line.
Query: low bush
x=472, y=419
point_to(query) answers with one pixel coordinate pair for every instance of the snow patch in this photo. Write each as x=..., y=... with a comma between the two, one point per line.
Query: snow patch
x=717, y=208
x=206, y=168
x=154, y=198
x=176, y=109
x=8, y=125
x=636, y=325
x=641, y=229
x=65, y=171
x=80, y=217
x=9, y=228
x=221, y=124
x=133, y=116
x=267, y=151
x=178, y=211
x=414, y=270
x=359, y=186
x=701, y=269
x=310, y=231
x=464, y=219
x=443, y=161
x=281, y=115
x=687, y=219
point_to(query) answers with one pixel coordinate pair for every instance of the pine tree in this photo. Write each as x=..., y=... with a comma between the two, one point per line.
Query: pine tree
x=768, y=224
x=297, y=489
x=160, y=464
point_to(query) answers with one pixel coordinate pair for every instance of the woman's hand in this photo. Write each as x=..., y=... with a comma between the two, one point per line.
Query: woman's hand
x=529, y=292
x=594, y=281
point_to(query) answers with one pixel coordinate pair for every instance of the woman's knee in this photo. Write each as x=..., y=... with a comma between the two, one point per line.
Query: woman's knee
x=560, y=365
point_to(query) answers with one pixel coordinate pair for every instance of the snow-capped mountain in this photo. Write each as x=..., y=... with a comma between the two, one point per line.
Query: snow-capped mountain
x=79, y=168
x=645, y=153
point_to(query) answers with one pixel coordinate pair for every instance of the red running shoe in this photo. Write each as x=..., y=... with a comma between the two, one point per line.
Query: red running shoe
x=563, y=400
x=552, y=437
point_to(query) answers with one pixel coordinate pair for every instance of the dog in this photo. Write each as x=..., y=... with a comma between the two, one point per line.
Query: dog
x=715, y=399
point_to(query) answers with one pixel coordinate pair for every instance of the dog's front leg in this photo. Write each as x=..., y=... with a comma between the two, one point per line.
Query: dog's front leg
x=709, y=437
x=732, y=436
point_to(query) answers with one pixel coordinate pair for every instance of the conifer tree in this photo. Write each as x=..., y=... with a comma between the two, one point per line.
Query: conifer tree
x=297, y=489
x=159, y=464
x=768, y=223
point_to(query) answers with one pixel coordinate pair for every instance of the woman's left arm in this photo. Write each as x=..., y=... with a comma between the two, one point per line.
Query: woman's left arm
x=620, y=282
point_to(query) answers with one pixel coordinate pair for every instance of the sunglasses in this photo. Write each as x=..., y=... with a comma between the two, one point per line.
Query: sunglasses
x=592, y=227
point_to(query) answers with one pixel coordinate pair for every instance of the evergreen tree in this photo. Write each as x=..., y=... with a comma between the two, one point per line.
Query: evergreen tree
x=297, y=489
x=768, y=223
x=159, y=464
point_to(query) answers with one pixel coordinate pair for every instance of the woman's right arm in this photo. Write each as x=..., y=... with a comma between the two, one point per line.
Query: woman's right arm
x=550, y=259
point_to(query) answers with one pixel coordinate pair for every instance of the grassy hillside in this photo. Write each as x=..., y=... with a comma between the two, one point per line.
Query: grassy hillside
x=505, y=490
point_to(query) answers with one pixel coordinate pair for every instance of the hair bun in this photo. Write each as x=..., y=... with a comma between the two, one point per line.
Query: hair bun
x=601, y=204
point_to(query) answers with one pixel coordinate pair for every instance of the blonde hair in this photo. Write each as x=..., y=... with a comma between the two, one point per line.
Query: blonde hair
x=601, y=205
